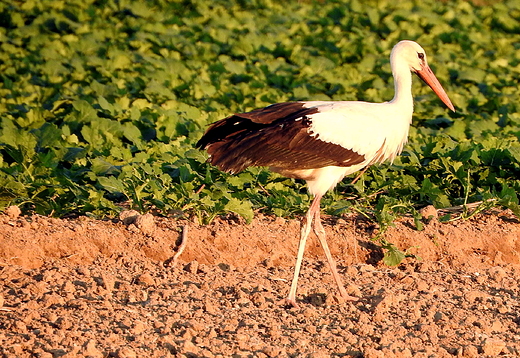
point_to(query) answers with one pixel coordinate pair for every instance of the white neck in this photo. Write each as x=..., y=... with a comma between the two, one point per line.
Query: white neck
x=403, y=98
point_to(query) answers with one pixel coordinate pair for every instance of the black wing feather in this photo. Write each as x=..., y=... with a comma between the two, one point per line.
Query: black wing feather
x=274, y=136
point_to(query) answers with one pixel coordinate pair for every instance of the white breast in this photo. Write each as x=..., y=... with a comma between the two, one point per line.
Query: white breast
x=376, y=130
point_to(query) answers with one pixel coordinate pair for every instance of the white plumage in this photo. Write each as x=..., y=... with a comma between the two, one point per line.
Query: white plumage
x=377, y=139
x=323, y=141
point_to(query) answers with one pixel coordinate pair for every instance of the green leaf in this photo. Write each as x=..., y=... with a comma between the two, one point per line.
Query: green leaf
x=103, y=103
x=48, y=135
x=102, y=167
x=240, y=207
x=112, y=184
x=393, y=256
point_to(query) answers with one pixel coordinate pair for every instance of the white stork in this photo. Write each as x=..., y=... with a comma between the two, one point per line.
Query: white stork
x=322, y=141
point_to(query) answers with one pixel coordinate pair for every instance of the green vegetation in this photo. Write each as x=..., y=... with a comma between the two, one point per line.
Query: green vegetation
x=101, y=102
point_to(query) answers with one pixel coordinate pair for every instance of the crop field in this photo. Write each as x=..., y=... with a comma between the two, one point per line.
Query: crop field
x=101, y=104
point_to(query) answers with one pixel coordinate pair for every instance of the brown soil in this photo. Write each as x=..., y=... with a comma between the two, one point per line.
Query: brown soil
x=90, y=288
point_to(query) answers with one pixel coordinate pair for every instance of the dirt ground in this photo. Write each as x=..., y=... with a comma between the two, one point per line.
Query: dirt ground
x=90, y=288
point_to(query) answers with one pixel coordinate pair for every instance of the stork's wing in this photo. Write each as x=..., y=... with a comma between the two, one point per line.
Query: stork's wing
x=279, y=136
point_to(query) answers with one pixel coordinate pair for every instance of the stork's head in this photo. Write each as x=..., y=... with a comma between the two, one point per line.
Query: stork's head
x=413, y=55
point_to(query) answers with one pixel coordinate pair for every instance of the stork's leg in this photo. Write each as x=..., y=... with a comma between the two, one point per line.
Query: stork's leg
x=305, y=231
x=320, y=232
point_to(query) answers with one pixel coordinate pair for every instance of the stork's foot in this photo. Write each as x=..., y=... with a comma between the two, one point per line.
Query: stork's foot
x=345, y=296
x=289, y=302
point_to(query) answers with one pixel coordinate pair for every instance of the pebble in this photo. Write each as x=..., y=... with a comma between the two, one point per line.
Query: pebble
x=45, y=355
x=189, y=347
x=493, y=347
x=319, y=354
x=69, y=287
x=145, y=223
x=138, y=328
x=126, y=352
x=128, y=217
x=108, y=281
x=192, y=267
x=429, y=212
x=470, y=351
x=145, y=279
x=279, y=221
x=13, y=212
x=90, y=350
x=472, y=296
x=210, y=308
x=497, y=273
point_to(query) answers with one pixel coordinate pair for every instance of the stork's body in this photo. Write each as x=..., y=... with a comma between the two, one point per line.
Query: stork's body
x=322, y=141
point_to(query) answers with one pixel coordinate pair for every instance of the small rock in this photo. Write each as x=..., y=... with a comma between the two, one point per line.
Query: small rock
x=497, y=273
x=132, y=228
x=309, y=312
x=52, y=299
x=422, y=285
x=472, y=296
x=68, y=287
x=128, y=217
x=319, y=354
x=90, y=350
x=198, y=326
x=406, y=353
x=13, y=212
x=279, y=221
x=125, y=352
x=51, y=317
x=382, y=307
x=109, y=281
x=272, y=351
x=82, y=270
x=366, y=268
x=438, y=316
x=426, y=266
x=138, y=328
x=73, y=353
x=354, y=290
x=470, y=351
x=125, y=323
x=189, y=347
x=341, y=221
x=429, y=212
x=207, y=354
x=192, y=267
x=351, y=271
x=63, y=323
x=145, y=223
x=20, y=327
x=145, y=279
x=210, y=308
x=373, y=353
x=493, y=347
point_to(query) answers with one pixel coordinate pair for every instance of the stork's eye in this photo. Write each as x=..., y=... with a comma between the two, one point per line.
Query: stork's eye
x=420, y=55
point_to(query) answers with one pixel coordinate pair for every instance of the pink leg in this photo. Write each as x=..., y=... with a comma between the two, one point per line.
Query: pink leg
x=305, y=231
x=320, y=232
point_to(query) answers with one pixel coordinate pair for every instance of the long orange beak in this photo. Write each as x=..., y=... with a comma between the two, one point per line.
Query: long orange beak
x=426, y=74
